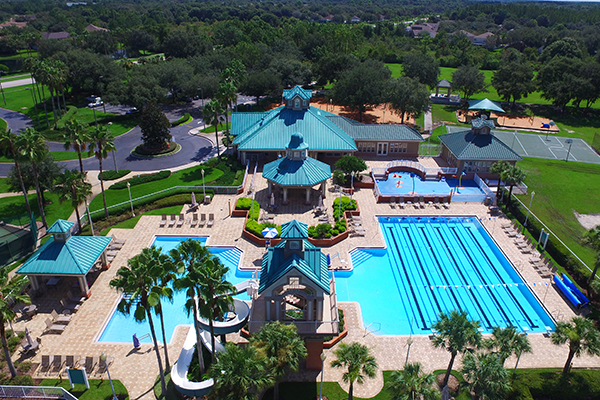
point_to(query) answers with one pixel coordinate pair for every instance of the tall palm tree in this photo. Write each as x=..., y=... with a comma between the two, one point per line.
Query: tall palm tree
x=456, y=334
x=592, y=240
x=485, y=376
x=498, y=168
x=33, y=148
x=513, y=175
x=72, y=186
x=76, y=137
x=227, y=95
x=9, y=148
x=582, y=337
x=506, y=342
x=412, y=384
x=10, y=293
x=212, y=115
x=240, y=373
x=38, y=75
x=190, y=257
x=136, y=282
x=358, y=361
x=101, y=143
x=280, y=344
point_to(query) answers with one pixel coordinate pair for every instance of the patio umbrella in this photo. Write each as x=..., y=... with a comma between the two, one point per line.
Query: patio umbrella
x=485, y=104
x=193, y=199
x=272, y=199
x=328, y=260
x=29, y=338
x=136, y=342
x=321, y=200
x=269, y=233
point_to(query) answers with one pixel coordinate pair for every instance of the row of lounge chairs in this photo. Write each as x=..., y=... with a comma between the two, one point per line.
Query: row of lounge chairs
x=113, y=249
x=56, y=364
x=194, y=221
x=540, y=264
x=419, y=202
x=355, y=226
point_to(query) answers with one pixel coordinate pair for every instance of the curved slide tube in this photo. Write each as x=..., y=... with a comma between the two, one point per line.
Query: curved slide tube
x=242, y=312
x=180, y=369
x=566, y=291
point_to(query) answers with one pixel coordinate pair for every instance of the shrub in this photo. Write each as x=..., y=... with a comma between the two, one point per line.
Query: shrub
x=346, y=205
x=339, y=178
x=111, y=175
x=183, y=120
x=25, y=366
x=21, y=380
x=143, y=151
x=256, y=229
x=245, y=203
x=71, y=111
x=138, y=180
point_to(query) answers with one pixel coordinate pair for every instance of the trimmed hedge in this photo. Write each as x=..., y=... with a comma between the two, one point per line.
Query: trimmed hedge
x=138, y=180
x=345, y=206
x=244, y=203
x=111, y=174
x=183, y=120
x=256, y=229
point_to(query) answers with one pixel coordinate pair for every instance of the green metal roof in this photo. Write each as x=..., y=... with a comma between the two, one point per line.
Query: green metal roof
x=479, y=123
x=467, y=145
x=286, y=172
x=294, y=230
x=273, y=129
x=297, y=91
x=359, y=131
x=76, y=256
x=485, y=104
x=313, y=266
x=60, y=226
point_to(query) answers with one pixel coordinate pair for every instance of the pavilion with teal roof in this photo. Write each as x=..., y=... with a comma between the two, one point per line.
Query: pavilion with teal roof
x=296, y=170
x=64, y=255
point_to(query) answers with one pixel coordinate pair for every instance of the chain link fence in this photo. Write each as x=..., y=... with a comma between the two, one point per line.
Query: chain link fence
x=17, y=238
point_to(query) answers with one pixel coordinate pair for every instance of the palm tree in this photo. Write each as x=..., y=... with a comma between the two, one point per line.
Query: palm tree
x=592, y=240
x=227, y=95
x=513, y=175
x=485, y=376
x=212, y=115
x=506, y=342
x=75, y=137
x=101, y=143
x=498, y=168
x=455, y=334
x=10, y=293
x=280, y=344
x=358, y=361
x=136, y=282
x=412, y=384
x=240, y=373
x=33, y=148
x=9, y=148
x=72, y=186
x=582, y=336
x=190, y=257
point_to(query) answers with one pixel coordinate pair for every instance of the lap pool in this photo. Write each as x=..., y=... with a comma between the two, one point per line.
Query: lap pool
x=120, y=328
x=433, y=265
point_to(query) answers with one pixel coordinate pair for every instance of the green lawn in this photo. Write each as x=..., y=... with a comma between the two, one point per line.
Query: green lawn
x=16, y=77
x=11, y=208
x=3, y=185
x=3, y=125
x=99, y=389
x=20, y=54
x=132, y=222
x=560, y=189
x=211, y=129
x=57, y=155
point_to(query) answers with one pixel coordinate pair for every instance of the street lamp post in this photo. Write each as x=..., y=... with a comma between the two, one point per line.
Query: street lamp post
x=89, y=217
x=529, y=209
x=409, y=342
x=103, y=358
x=351, y=187
x=340, y=204
x=113, y=152
x=203, y=187
x=202, y=96
x=570, y=143
x=323, y=358
x=130, y=201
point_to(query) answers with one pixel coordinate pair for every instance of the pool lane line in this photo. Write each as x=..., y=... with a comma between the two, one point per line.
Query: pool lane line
x=416, y=303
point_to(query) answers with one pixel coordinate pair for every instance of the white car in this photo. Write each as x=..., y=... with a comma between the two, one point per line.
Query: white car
x=96, y=103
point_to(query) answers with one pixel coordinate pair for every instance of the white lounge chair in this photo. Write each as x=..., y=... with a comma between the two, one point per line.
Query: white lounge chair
x=180, y=221
x=51, y=327
x=163, y=221
x=194, y=220
x=202, y=220
x=211, y=220
x=393, y=202
x=172, y=221
x=60, y=319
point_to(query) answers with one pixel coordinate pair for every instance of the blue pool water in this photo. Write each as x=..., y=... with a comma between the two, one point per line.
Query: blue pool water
x=402, y=184
x=434, y=265
x=121, y=328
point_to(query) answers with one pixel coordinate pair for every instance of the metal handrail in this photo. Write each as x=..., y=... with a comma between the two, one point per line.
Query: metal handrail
x=35, y=392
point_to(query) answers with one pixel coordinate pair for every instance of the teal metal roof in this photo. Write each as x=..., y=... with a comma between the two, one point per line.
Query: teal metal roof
x=241, y=120
x=273, y=129
x=297, y=142
x=479, y=123
x=313, y=266
x=485, y=104
x=360, y=131
x=76, y=256
x=287, y=172
x=294, y=230
x=297, y=91
x=467, y=145
x=60, y=226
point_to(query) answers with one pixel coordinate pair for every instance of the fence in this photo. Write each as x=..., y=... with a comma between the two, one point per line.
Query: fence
x=430, y=149
x=35, y=392
x=17, y=239
x=413, y=165
x=485, y=188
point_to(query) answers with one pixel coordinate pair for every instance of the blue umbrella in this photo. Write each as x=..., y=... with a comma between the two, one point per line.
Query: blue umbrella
x=328, y=260
x=136, y=342
x=269, y=233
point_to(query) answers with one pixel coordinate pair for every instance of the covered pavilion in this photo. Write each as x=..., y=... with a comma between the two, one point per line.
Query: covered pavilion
x=64, y=255
x=296, y=170
x=443, y=84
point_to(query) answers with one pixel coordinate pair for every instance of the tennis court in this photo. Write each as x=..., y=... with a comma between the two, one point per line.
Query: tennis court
x=537, y=146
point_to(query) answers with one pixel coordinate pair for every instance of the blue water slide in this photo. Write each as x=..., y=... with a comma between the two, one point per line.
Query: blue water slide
x=575, y=290
x=566, y=291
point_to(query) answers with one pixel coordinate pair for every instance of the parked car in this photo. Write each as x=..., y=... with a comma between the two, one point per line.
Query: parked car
x=132, y=111
x=96, y=103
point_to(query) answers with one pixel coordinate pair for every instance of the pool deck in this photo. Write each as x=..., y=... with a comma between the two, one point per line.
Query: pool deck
x=138, y=369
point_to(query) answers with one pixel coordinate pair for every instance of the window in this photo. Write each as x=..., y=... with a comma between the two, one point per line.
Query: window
x=296, y=154
x=304, y=103
x=294, y=281
x=297, y=103
x=294, y=245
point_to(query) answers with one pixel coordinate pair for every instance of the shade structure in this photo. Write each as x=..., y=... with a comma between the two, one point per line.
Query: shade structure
x=485, y=104
x=269, y=233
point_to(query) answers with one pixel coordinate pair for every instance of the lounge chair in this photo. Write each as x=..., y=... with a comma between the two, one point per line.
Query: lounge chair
x=393, y=202
x=90, y=363
x=115, y=246
x=112, y=252
x=163, y=221
x=57, y=363
x=416, y=203
x=422, y=202
x=103, y=364
x=172, y=220
x=76, y=299
x=401, y=202
x=69, y=306
x=194, y=220
x=118, y=241
x=180, y=221
x=71, y=361
x=46, y=362
x=211, y=220
x=202, y=220
x=51, y=327
x=436, y=202
x=445, y=204
x=60, y=319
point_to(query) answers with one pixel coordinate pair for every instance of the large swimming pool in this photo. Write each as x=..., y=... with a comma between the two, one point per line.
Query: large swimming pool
x=402, y=184
x=120, y=328
x=434, y=265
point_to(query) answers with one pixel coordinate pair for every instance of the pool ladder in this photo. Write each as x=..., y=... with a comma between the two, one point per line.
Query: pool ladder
x=367, y=331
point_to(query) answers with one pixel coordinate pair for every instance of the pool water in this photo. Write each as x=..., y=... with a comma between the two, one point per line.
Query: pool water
x=121, y=328
x=402, y=184
x=434, y=265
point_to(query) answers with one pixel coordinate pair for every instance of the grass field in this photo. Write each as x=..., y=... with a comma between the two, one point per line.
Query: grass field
x=3, y=185
x=99, y=389
x=3, y=125
x=13, y=207
x=211, y=129
x=57, y=155
x=132, y=222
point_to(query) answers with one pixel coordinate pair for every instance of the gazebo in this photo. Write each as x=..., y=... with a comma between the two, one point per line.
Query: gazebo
x=296, y=170
x=64, y=255
x=443, y=84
